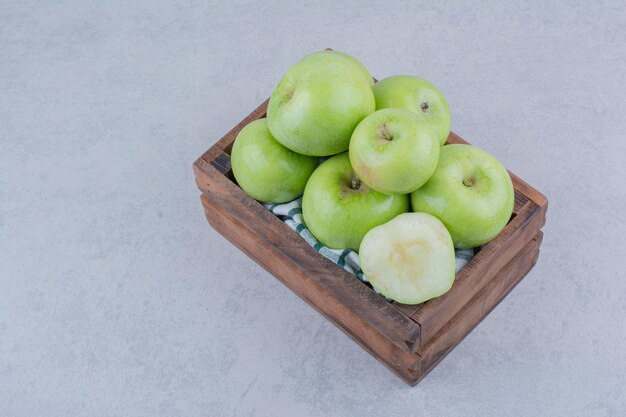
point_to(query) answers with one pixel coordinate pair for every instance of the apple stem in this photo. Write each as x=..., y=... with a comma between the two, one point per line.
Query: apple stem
x=289, y=94
x=425, y=107
x=384, y=133
x=468, y=182
x=356, y=184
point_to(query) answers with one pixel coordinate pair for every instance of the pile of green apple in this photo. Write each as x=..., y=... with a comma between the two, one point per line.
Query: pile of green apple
x=390, y=188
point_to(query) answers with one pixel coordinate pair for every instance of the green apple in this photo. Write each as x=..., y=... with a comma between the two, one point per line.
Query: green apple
x=339, y=209
x=470, y=192
x=409, y=259
x=417, y=95
x=265, y=169
x=394, y=151
x=319, y=102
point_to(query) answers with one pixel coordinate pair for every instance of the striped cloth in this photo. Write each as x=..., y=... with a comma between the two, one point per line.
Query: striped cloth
x=291, y=214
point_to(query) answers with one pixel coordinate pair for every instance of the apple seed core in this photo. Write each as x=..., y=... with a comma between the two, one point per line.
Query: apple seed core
x=356, y=184
x=425, y=107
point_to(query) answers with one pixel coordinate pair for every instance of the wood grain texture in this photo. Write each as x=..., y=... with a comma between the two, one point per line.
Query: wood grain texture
x=408, y=339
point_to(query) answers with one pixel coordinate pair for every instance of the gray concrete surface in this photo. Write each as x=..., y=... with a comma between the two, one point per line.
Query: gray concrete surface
x=117, y=299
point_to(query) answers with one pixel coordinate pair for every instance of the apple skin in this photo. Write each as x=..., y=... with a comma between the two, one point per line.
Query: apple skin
x=417, y=95
x=339, y=215
x=394, y=151
x=358, y=63
x=409, y=259
x=319, y=102
x=265, y=169
x=470, y=192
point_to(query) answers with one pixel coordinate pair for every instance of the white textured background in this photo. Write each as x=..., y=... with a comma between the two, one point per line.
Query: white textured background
x=118, y=299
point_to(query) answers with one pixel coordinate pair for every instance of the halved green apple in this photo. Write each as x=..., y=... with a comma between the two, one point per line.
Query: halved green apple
x=409, y=259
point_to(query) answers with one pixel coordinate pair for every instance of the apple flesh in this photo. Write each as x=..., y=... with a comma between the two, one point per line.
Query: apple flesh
x=319, y=102
x=417, y=95
x=339, y=209
x=394, y=151
x=409, y=259
x=265, y=169
x=470, y=192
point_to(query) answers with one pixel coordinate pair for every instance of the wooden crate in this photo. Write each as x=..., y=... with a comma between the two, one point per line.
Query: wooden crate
x=409, y=340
